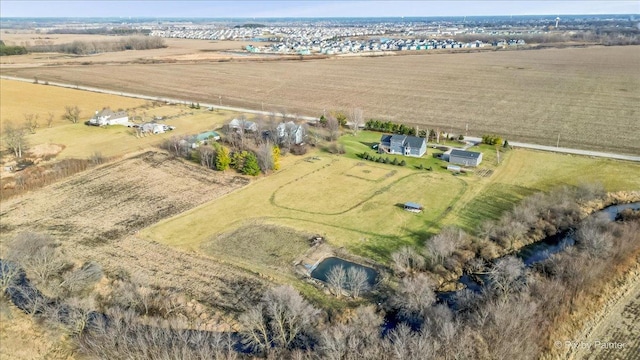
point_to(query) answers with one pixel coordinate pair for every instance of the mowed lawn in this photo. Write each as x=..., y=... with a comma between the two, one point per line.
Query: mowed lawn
x=81, y=141
x=524, y=172
x=323, y=197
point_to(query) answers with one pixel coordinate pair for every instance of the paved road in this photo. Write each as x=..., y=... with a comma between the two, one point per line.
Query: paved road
x=313, y=119
x=162, y=98
x=565, y=150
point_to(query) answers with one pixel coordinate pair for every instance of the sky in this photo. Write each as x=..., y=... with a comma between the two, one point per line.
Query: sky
x=320, y=8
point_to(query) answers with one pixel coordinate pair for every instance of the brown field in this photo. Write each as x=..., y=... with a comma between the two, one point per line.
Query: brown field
x=97, y=214
x=589, y=96
x=621, y=324
x=176, y=50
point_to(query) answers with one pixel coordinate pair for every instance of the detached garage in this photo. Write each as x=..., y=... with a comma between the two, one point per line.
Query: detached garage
x=465, y=158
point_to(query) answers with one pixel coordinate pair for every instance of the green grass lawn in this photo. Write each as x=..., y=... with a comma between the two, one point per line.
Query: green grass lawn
x=356, y=204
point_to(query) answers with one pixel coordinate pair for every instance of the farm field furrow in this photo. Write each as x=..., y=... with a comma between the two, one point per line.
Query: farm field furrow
x=588, y=96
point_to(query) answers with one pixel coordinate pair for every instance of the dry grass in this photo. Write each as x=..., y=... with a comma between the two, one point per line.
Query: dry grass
x=97, y=214
x=19, y=98
x=588, y=95
x=318, y=197
x=524, y=172
x=176, y=50
x=23, y=338
x=81, y=141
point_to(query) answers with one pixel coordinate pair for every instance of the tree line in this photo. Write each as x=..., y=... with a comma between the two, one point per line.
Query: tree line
x=94, y=47
x=515, y=316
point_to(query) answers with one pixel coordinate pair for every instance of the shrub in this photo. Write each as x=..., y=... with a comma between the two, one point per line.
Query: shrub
x=300, y=149
x=403, y=163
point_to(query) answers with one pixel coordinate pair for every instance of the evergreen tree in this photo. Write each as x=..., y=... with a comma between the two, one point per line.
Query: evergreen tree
x=251, y=166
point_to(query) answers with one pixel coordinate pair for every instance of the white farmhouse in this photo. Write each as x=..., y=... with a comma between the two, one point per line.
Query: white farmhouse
x=108, y=117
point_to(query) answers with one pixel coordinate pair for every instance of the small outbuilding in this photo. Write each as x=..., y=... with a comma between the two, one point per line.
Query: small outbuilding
x=454, y=168
x=413, y=207
x=465, y=158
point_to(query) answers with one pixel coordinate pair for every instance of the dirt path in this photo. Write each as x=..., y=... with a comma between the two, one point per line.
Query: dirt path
x=615, y=333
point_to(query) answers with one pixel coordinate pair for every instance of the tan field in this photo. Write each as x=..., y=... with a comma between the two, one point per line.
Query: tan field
x=176, y=50
x=588, y=96
x=96, y=214
x=81, y=141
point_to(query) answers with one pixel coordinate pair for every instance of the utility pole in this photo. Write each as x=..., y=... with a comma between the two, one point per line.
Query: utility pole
x=558, y=142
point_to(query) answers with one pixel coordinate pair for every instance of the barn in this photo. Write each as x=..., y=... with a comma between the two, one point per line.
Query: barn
x=465, y=158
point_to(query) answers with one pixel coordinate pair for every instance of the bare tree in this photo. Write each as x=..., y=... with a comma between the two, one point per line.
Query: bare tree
x=38, y=254
x=407, y=260
x=336, y=280
x=74, y=282
x=50, y=117
x=207, y=156
x=414, y=298
x=357, y=281
x=507, y=276
x=15, y=139
x=71, y=113
x=282, y=319
x=445, y=243
x=356, y=116
x=31, y=122
x=333, y=126
x=265, y=157
x=359, y=338
x=592, y=236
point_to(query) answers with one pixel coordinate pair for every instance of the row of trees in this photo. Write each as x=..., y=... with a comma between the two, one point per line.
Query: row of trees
x=492, y=140
x=94, y=47
x=512, y=318
x=219, y=157
x=380, y=159
x=391, y=127
x=6, y=50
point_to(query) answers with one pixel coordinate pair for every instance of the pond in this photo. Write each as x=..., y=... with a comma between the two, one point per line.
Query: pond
x=321, y=271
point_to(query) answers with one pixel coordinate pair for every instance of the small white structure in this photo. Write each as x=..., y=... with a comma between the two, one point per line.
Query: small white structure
x=454, y=168
x=108, y=117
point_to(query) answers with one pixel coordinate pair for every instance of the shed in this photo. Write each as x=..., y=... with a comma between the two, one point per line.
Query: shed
x=466, y=158
x=413, y=207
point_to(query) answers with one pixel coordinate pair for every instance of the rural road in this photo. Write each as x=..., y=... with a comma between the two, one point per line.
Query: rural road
x=313, y=119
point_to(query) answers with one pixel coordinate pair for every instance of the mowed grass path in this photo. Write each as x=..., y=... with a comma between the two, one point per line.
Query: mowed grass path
x=361, y=215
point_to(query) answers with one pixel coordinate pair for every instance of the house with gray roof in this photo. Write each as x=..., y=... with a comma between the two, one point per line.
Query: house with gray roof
x=465, y=158
x=243, y=125
x=406, y=145
x=291, y=131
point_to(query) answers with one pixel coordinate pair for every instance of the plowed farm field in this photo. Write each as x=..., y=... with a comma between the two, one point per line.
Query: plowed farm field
x=586, y=97
x=96, y=215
